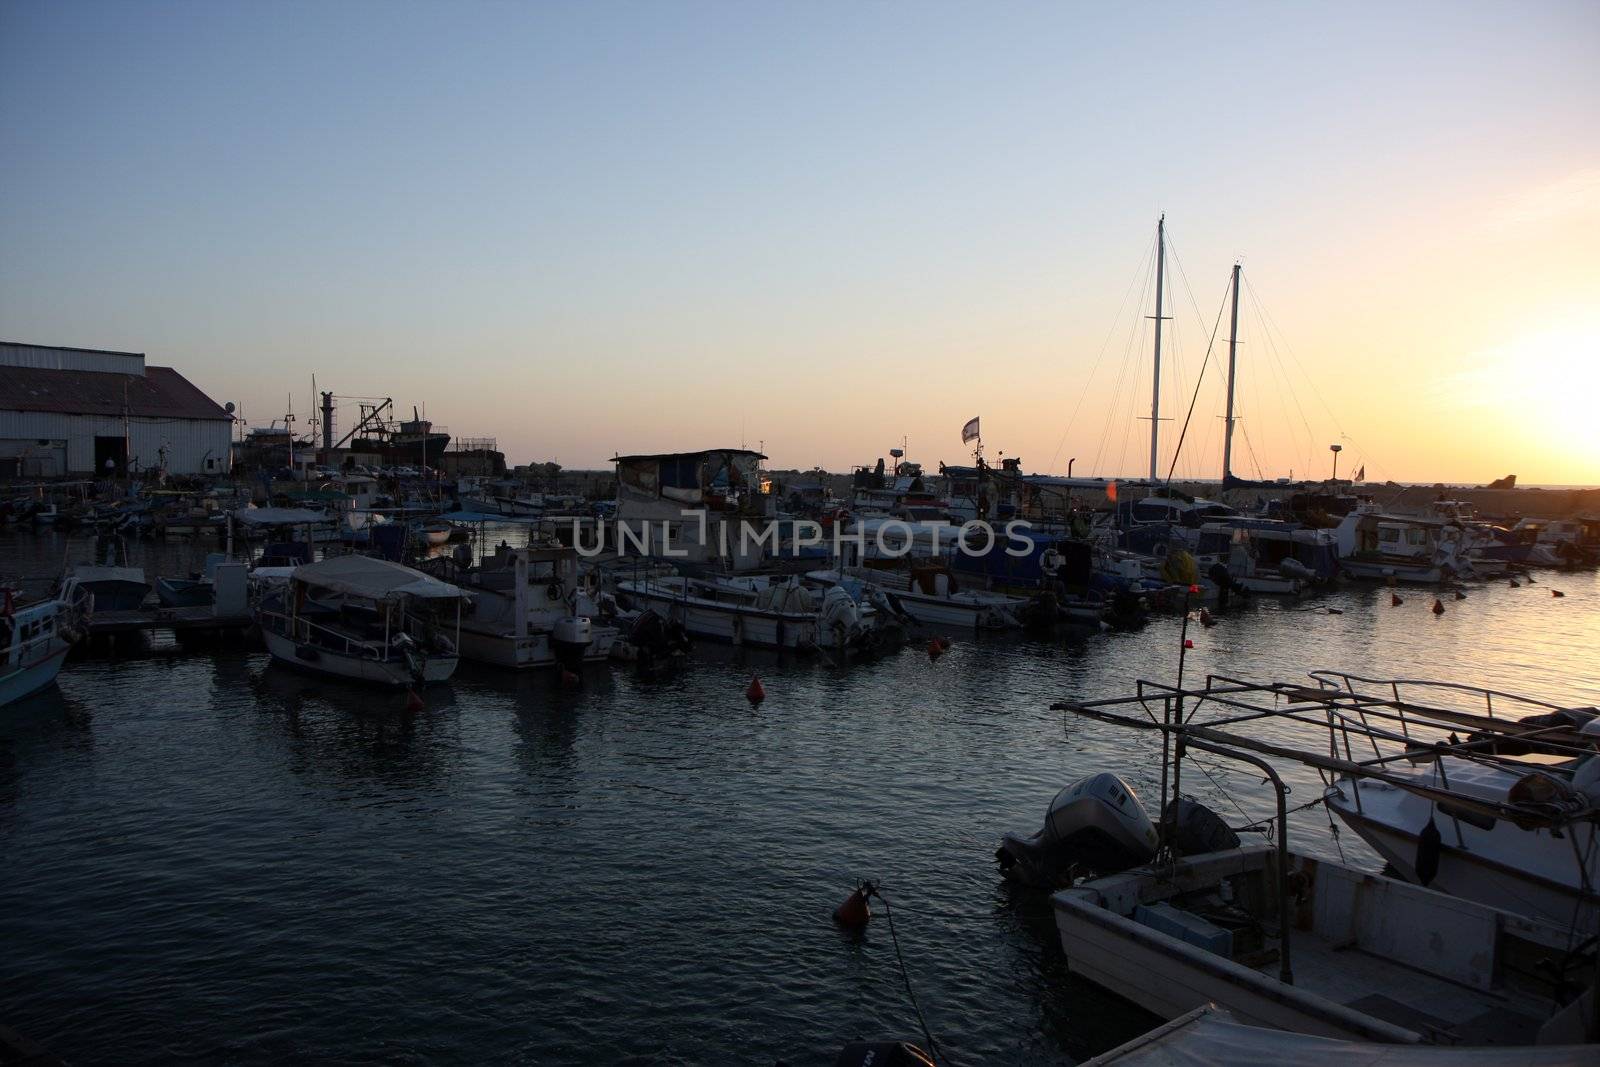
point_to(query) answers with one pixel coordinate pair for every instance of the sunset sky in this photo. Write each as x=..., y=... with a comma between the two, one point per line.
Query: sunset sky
x=601, y=227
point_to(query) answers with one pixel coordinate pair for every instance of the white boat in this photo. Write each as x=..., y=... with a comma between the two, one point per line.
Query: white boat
x=1314, y=947
x=35, y=639
x=365, y=620
x=1543, y=871
x=1379, y=547
x=431, y=533
x=528, y=611
x=767, y=611
x=1287, y=940
x=931, y=596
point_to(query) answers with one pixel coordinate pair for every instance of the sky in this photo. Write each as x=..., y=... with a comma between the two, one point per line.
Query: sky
x=828, y=228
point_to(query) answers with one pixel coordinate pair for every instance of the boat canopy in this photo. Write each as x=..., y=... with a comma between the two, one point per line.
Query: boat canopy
x=281, y=516
x=373, y=579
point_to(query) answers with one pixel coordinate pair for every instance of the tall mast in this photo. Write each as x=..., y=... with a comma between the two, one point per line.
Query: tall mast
x=1155, y=386
x=1233, y=341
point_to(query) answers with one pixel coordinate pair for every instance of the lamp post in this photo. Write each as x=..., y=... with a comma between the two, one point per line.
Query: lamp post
x=1336, y=449
x=1070, y=462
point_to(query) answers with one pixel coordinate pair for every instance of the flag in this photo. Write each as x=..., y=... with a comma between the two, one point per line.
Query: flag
x=1361, y=475
x=969, y=432
x=1111, y=492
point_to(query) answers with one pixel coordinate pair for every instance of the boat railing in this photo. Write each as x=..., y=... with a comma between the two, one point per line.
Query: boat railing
x=1349, y=719
x=299, y=628
x=1345, y=681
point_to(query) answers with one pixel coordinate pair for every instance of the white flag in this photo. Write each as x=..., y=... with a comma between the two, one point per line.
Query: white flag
x=969, y=432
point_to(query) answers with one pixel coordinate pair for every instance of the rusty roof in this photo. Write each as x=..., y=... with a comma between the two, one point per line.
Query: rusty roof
x=160, y=392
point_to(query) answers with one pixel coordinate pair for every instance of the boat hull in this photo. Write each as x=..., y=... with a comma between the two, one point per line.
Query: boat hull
x=28, y=679
x=530, y=652
x=391, y=673
x=1484, y=865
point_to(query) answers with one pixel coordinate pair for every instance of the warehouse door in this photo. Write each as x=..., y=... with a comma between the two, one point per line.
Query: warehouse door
x=114, y=449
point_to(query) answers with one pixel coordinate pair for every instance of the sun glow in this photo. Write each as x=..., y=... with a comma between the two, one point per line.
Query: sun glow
x=1545, y=386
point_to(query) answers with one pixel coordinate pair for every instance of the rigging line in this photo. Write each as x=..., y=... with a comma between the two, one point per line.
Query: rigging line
x=1264, y=310
x=1199, y=318
x=1288, y=385
x=1136, y=331
x=1184, y=433
x=1140, y=273
x=1254, y=462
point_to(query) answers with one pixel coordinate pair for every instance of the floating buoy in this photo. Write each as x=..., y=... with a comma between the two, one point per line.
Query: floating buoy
x=1514, y=584
x=1395, y=600
x=756, y=692
x=853, y=914
x=1335, y=611
x=569, y=680
x=935, y=648
x=1438, y=606
x=1188, y=642
x=1529, y=579
x=1460, y=595
x=413, y=701
x=1557, y=592
x=1206, y=618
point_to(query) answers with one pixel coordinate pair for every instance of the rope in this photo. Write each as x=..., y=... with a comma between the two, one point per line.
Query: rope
x=905, y=974
x=1197, y=382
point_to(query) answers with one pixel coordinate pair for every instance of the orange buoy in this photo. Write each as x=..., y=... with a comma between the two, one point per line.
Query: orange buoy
x=1394, y=600
x=935, y=648
x=853, y=914
x=1438, y=606
x=1557, y=592
x=413, y=701
x=755, y=693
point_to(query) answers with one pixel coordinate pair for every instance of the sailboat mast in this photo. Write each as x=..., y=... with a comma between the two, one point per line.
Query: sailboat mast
x=1155, y=386
x=1233, y=342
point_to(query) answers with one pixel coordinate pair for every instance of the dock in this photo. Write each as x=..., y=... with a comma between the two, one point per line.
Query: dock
x=198, y=624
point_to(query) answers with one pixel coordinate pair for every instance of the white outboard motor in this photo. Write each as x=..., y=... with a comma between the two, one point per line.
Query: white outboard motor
x=570, y=639
x=1096, y=824
x=838, y=620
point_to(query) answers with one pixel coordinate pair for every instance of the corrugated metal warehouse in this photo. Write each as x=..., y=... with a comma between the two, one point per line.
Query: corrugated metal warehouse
x=85, y=411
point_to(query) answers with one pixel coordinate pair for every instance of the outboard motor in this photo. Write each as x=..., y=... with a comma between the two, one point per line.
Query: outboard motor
x=570, y=639
x=1096, y=824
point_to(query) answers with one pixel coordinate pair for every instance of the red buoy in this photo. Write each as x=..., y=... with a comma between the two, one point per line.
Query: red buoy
x=413, y=701
x=756, y=692
x=935, y=648
x=1394, y=600
x=1188, y=642
x=1460, y=595
x=1514, y=584
x=853, y=914
x=1438, y=606
x=1557, y=592
x=569, y=680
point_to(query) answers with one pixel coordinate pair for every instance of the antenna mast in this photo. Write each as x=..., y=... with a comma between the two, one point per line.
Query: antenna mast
x=1233, y=341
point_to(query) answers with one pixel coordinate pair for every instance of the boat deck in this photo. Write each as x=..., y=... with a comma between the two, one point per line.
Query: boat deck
x=1435, y=1007
x=194, y=619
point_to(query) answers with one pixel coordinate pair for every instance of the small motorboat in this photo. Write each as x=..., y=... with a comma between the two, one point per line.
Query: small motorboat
x=35, y=638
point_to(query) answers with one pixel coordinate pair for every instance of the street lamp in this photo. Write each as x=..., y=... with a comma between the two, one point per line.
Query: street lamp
x=1336, y=449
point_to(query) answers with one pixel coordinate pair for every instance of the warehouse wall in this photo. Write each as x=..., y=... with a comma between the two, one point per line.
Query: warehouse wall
x=194, y=446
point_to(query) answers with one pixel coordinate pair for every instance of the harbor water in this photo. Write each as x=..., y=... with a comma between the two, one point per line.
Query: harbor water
x=208, y=858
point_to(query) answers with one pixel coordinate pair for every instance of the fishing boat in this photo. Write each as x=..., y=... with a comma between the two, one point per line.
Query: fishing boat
x=363, y=619
x=1378, y=547
x=527, y=610
x=1516, y=747
x=35, y=638
x=114, y=584
x=766, y=611
x=1284, y=939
